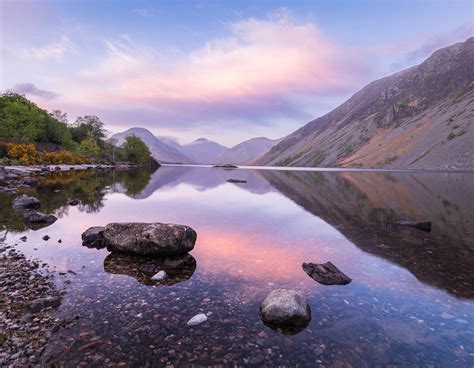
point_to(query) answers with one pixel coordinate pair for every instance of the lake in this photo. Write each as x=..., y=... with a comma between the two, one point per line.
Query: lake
x=410, y=302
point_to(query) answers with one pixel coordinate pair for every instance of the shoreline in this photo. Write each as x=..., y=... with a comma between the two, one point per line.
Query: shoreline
x=329, y=169
x=32, y=169
x=29, y=299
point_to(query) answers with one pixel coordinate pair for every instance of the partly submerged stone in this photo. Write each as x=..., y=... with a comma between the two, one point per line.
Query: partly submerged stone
x=94, y=237
x=159, y=276
x=74, y=202
x=421, y=225
x=197, y=319
x=39, y=217
x=326, y=273
x=149, y=238
x=38, y=305
x=226, y=166
x=285, y=308
x=25, y=202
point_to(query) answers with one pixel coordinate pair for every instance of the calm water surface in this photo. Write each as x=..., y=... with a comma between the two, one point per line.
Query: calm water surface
x=410, y=302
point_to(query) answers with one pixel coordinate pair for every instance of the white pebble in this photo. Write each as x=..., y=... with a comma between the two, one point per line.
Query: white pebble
x=197, y=319
x=159, y=276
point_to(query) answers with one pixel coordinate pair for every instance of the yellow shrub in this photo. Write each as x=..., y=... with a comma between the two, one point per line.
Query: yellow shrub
x=25, y=153
x=28, y=155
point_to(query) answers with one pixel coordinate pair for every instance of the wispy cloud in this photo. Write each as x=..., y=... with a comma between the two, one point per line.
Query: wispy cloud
x=31, y=90
x=55, y=51
x=255, y=71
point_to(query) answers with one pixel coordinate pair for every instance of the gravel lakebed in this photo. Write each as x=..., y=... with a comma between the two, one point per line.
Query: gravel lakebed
x=29, y=297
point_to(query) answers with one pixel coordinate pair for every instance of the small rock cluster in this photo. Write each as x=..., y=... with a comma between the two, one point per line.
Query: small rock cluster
x=288, y=311
x=27, y=206
x=26, y=300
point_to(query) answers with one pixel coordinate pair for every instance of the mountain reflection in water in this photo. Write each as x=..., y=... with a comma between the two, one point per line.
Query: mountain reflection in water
x=410, y=301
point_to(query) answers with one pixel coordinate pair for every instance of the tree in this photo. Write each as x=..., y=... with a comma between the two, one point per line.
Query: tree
x=23, y=121
x=59, y=116
x=85, y=125
x=88, y=147
x=136, y=151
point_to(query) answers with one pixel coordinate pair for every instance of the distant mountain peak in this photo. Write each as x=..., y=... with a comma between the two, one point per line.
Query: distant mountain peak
x=160, y=150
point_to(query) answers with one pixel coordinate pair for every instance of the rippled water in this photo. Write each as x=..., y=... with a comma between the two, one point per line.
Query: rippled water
x=410, y=302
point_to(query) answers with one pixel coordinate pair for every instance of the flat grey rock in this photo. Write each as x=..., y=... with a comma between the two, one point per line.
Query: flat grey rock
x=326, y=273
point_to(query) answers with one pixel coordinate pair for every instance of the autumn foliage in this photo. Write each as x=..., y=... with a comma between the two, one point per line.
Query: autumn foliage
x=27, y=154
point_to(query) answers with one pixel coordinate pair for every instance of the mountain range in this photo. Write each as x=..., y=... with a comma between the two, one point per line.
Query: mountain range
x=201, y=151
x=421, y=117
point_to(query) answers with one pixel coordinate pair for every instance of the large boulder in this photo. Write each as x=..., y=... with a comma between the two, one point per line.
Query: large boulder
x=148, y=239
x=326, y=273
x=25, y=202
x=285, y=308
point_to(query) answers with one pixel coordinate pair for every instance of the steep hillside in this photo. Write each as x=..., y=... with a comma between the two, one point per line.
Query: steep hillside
x=161, y=151
x=247, y=151
x=203, y=151
x=421, y=117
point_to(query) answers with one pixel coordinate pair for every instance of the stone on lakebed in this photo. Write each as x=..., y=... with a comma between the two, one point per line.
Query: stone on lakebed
x=35, y=217
x=25, y=202
x=197, y=319
x=285, y=308
x=153, y=239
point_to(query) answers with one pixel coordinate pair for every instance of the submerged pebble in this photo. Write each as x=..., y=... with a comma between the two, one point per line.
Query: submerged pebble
x=159, y=276
x=197, y=319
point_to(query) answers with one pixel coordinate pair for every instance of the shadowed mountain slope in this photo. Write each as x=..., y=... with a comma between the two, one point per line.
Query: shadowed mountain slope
x=421, y=117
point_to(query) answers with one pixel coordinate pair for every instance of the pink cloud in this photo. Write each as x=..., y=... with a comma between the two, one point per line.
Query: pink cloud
x=54, y=51
x=257, y=67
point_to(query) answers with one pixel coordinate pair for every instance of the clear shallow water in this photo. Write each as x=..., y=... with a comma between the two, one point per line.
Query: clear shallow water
x=410, y=302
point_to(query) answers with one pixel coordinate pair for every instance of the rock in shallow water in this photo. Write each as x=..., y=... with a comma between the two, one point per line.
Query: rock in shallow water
x=285, y=308
x=424, y=226
x=159, y=276
x=25, y=202
x=197, y=319
x=39, y=217
x=326, y=273
x=94, y=237
x=38, y=305
x=149, y=239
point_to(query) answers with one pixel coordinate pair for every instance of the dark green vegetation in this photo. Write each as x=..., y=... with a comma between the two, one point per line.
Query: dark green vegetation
x=135, y=150
x=57, y=189
x=22, y=121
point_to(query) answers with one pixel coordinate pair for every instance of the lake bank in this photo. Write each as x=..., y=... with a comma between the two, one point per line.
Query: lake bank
x=29, y=297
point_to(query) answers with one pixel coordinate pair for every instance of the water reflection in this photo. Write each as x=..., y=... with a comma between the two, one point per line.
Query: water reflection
x=57, y=189
x=364, y=207
x=178, y=269
x=409, y=304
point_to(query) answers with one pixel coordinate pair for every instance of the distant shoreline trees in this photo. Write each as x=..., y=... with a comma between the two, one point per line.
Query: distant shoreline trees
x=25, y=127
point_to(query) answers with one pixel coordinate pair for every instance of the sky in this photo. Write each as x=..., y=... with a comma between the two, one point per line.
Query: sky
x=224, y=70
